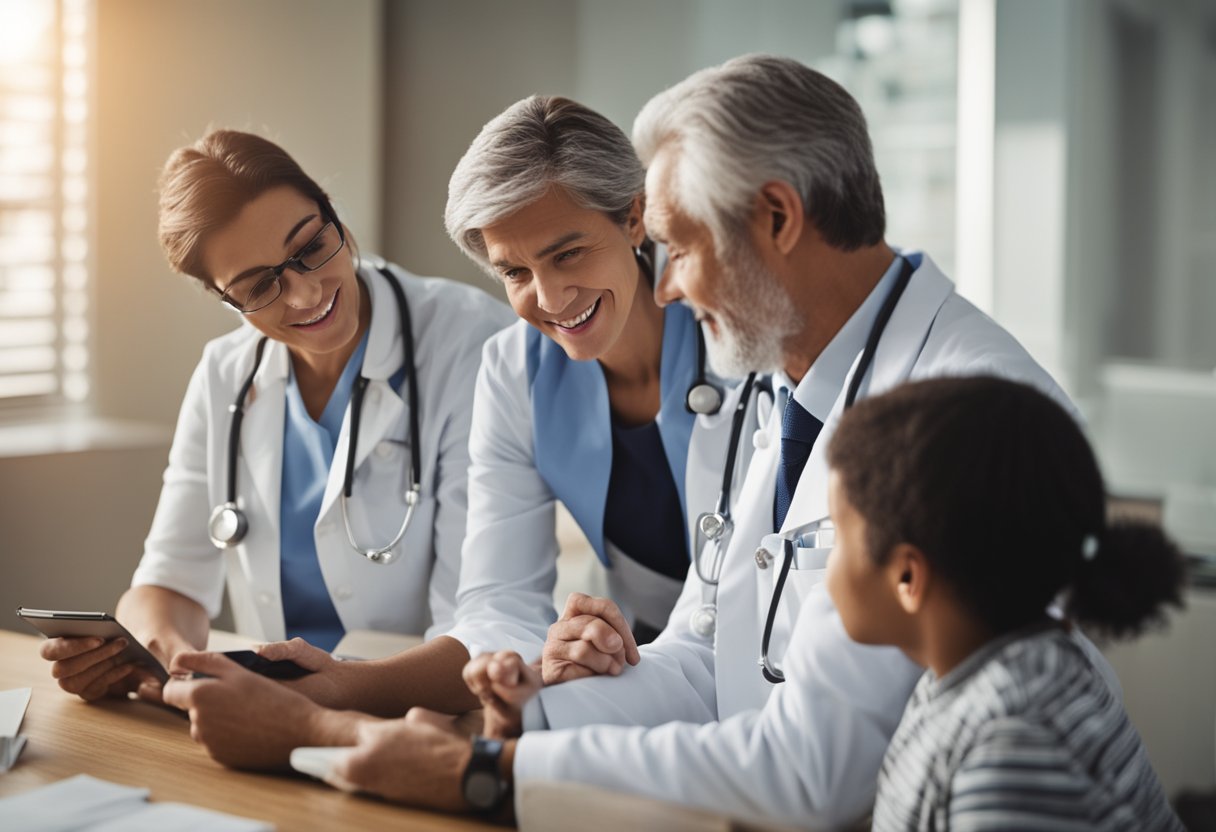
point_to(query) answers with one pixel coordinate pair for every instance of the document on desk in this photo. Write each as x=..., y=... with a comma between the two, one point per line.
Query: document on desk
x=86, y=804
x=12, y=710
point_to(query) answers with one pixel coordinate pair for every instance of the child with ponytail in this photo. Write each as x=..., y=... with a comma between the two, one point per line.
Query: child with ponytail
x=963, y=507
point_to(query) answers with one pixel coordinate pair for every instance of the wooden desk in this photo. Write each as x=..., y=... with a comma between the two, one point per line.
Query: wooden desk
x=137, y=744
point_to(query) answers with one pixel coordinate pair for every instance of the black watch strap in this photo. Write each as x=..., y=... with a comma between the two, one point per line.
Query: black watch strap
x=483, y=786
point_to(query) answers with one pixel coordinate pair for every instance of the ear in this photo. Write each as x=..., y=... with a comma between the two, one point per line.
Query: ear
x=780, y=216
x=909, y=575
x=635, y=226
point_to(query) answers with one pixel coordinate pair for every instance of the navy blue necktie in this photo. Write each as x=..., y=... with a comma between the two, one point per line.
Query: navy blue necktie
x=799, y=430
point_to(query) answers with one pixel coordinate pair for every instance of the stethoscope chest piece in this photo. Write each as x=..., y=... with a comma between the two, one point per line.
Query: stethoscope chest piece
x=704, y=398
x=712, y=525
x=227, y=526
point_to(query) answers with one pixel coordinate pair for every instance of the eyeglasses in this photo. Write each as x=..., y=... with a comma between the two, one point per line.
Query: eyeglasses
x=819, y=535
x=259, y=290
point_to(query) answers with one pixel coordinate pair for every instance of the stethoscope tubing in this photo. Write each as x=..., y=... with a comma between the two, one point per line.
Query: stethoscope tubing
x=720, y=518
x=237, y=409
x=771, y=672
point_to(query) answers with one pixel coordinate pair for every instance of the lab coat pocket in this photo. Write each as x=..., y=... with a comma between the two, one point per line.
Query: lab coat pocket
x=807, y=571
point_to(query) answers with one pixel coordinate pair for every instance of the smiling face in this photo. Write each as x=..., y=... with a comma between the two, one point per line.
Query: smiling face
x=746, y=311
x=319, y=312
x=569, y=271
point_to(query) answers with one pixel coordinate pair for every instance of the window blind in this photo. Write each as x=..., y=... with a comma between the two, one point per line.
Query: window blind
x=44, y=223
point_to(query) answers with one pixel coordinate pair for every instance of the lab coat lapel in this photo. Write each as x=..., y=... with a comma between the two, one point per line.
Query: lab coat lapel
x=898, y=350
x=908, y=330
x=383, y=407
x=739, y=611
x=707, y=458
x=261, y=446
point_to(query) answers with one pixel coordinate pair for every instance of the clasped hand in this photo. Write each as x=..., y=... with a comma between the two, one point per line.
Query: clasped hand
x=591, y=638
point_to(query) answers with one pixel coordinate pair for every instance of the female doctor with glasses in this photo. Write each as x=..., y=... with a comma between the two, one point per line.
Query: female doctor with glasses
x=320, y=458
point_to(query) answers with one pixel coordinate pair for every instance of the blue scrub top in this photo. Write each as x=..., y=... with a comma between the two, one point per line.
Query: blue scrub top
x=308, y=454
x=642, y=516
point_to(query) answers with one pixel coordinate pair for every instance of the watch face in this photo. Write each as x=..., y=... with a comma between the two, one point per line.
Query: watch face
x=481, y=789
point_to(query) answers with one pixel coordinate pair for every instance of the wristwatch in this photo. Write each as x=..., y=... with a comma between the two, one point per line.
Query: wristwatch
x=482, y=784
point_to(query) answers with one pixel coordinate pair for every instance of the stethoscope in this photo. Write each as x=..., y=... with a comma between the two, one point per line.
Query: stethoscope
x=229, y=524
x=703, y=397
x=717, y=526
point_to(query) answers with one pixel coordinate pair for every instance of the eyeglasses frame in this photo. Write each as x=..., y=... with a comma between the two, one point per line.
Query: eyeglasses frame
x=293, y=262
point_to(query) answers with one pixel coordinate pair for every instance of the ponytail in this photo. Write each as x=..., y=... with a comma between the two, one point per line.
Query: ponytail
x=1122, y=588
x=998, y=486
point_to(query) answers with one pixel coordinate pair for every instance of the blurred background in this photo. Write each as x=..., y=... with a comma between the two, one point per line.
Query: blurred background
x=1058, y=159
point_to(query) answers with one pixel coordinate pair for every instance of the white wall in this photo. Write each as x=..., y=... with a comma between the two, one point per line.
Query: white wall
x=1065, y=199
x=450, y=67
x=306, y=73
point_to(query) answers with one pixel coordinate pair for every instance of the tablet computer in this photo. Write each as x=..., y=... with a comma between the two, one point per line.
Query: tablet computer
x=72, y=624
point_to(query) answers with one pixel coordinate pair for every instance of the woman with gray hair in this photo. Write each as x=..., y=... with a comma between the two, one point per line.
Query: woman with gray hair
x=592, y=398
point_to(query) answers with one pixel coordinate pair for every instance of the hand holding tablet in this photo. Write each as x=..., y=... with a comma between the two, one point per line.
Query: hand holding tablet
x=77, y=624
x=74, y=624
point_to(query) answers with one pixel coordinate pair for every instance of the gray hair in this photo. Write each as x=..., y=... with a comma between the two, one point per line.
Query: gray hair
x=532, y=146
x=760, y=118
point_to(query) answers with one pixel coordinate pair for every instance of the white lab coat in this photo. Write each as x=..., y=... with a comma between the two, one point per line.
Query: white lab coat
x=509, y=567
x=450, y=322
x=807, y=751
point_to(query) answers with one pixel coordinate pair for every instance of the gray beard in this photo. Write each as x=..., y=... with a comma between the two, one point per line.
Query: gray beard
x=757, y=320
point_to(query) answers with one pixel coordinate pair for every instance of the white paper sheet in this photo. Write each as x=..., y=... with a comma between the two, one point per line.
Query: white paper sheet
x=70, y=804
x=161, y=817
x=86, y=804
x=12, y=710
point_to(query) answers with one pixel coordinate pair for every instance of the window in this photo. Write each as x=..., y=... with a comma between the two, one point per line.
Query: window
x=900, y=61
x=44, y=198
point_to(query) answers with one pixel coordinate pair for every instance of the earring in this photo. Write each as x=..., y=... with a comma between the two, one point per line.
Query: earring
x=643, y=260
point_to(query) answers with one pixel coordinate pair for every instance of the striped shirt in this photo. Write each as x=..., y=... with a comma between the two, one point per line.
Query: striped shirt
x=1024, y=734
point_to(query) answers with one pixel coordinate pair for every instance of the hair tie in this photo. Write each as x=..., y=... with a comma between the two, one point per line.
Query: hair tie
x=1089, y=547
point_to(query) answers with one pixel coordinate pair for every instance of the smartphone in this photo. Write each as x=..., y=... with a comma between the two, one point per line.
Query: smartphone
x=70, y=624
x=283, y=669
